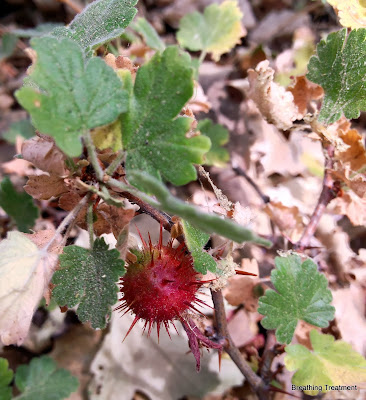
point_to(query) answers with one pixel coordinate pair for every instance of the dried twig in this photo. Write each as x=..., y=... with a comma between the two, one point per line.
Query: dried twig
x=329, y=192
x=257, y=384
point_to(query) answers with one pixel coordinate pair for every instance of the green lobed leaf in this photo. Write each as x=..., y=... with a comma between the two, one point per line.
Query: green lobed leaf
x=219, y=136
x=18, y=205
x=302, y=294
x=66, y=96
x=21, y=128
x=208, y=223
x=148, y=32
x=195, y=240
x=42, y=380
x=99, y=22
x=215, y=31
x=153, y=135
x=6, y=376
x=339, y=67
x=88, y=278
x=330, y=363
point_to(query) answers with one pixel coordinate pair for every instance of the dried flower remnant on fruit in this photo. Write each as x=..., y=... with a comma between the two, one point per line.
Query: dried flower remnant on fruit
x=160, y=287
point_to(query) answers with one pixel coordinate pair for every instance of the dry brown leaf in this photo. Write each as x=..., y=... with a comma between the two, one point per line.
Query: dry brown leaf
x=356, y=183
x=352, y=206
x=240, y=288
x=273, y=101
x=43, y=187
x=305, y=91
x=288, y=219
x=43, y=153
x=117, y=218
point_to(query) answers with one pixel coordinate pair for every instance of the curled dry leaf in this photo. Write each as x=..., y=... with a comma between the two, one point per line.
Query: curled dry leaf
x=42, y=152
x=288, y=219
x=304, y=92
x=273, y=101
x=43, y=187
x=25, y=271
x=352, y=206
x=240, y=288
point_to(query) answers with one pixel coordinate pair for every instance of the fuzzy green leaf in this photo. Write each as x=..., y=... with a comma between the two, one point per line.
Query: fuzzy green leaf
x=6, y=376
x=330, y=363
x=208, y=223
x=339, y=68
x=88, y=278
x=42, y=380
x=219, y=136
x=195, y=240
x=18, y=205
x=65, y=97
x=215, y=31
x=153, y=135
x=21, y=128
x=148, y=32
x=302, y=294
x=99, y=22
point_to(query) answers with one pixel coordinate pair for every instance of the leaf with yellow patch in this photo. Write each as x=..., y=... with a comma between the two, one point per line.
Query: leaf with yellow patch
x=330, y=363
x=216, y=31
x=352, y=13
x=109, y=136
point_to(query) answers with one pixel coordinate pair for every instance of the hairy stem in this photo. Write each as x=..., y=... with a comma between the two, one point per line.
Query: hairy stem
x=93, y=156
x=70, y=218
x=115, y=163
x=254, y=380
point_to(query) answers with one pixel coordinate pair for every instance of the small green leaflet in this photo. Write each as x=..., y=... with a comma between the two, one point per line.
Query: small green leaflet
x=153, y=135
x=21, y=128
x=6, y=376
x=330, y=363
x=219, y=136
x=208, y=223
x=216, y=31
x=18, y=205
x=195, y=240
x=66, y=97
x=100, y=22
x=339, y=67
x=42, y=380
x=89, y=278
x=302, y=294
x=148, y=32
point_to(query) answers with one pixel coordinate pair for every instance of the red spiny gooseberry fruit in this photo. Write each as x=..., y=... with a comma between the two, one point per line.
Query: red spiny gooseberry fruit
x=160, y=286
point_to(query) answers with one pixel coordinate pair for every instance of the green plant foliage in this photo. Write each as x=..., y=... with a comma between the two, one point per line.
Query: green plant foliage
x=208, y=223
x=195, y=240
x=8, y=44
x=100, y=22
x=39, y=30
x=153, y=135
x=66, y=97
x=88, y=278
x=219, y=136
x=19, y=206
x=302, y=294
x=148, y=32
x=42, y=380
x=330, y=363
x=21, y=128
x=215, y=31
x=339, y=67
x=6, y=376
